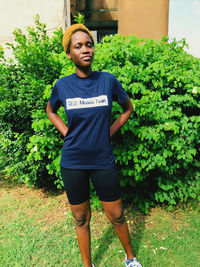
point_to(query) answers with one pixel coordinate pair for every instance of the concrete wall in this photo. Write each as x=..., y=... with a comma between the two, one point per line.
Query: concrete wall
x=19, y=14
x=144, y=18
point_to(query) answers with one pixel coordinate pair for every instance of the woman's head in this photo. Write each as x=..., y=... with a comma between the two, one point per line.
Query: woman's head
x=78, y=43
x=70, y=31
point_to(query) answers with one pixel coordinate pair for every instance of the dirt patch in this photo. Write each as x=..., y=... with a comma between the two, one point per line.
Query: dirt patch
x=50, y=208
x=159, y=216
x=31, y=202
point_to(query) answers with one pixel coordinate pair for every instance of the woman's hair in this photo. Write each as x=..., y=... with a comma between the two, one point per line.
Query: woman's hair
x=70, y=31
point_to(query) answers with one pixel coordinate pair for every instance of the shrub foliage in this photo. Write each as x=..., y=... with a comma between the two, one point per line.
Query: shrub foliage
x=22, y=84
x=157, y=150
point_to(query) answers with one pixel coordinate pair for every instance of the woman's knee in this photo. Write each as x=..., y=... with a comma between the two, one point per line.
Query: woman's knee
x=117, y=218
x=82, y=220
x=81, y=214
x=114, y=212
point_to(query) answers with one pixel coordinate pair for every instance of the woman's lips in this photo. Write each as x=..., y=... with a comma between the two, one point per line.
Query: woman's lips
x=86, y=58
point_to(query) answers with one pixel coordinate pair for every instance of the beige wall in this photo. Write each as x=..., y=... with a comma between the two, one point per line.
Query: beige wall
x=144, y=18
x=19, y=14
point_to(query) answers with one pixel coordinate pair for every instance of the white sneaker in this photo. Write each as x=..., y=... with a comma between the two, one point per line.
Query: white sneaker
x=132, y=262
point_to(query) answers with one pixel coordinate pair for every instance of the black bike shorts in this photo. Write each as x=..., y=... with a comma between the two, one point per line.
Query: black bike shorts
x=77, y=183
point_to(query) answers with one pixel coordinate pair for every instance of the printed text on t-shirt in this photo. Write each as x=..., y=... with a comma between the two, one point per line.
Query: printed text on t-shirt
x=77, y=102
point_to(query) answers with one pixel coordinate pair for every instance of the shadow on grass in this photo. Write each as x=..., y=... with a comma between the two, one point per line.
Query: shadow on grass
x=104, y=243
x=136, y=225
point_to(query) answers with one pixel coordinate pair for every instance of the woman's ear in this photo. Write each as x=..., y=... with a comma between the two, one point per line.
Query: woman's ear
x=68, y=55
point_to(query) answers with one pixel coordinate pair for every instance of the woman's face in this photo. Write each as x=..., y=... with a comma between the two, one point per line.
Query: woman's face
x=81, y=50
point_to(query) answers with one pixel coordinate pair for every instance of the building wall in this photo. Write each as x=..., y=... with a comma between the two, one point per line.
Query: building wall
x=19, y=14
x=105, y=4
x=143, y=18
x=146, y=18
x=96, y=5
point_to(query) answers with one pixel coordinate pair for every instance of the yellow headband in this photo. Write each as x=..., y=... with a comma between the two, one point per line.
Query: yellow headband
x=68, y=33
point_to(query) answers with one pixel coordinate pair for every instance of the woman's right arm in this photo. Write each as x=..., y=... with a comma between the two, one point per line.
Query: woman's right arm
x=56, y=120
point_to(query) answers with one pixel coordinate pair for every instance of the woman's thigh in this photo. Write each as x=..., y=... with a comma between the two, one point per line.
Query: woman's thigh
x=76, y=183
x=106, y=184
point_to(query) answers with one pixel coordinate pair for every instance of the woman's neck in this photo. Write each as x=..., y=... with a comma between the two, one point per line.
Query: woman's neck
x=83, y=73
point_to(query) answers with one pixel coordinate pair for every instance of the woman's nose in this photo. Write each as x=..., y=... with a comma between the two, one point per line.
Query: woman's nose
x=85, y=49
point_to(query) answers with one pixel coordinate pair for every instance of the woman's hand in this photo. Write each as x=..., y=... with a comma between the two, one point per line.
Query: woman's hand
x=56, y=120
x=128, y=108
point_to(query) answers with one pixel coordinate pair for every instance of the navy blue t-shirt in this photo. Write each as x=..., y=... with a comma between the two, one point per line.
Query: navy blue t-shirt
x=88, y=103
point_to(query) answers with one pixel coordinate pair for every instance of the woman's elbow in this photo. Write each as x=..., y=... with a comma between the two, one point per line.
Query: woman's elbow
x=49, y=109
x=130, y=106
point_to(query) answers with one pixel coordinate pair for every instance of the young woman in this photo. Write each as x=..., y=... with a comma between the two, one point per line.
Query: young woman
x=87, y=153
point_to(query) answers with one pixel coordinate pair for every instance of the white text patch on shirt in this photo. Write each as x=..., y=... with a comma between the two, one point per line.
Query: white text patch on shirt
x=76, y=103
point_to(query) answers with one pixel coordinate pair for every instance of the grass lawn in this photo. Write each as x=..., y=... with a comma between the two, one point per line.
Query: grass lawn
x=37, y=229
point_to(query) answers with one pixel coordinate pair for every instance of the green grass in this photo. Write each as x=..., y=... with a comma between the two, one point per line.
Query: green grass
x=37, y=229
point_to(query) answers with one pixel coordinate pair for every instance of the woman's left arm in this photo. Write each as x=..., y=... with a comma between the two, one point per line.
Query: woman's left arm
x=128, y=108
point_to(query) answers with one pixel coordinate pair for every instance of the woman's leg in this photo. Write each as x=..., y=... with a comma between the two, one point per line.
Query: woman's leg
x=107, y=186
x=77, y=188
x=82, y=216
x=114, y=212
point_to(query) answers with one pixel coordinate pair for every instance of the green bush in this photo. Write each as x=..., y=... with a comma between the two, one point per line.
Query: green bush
x=157, y=150
x=22, y=84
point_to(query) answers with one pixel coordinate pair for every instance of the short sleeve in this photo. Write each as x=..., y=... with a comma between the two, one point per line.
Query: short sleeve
x=54, y=99
x=118, y=92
